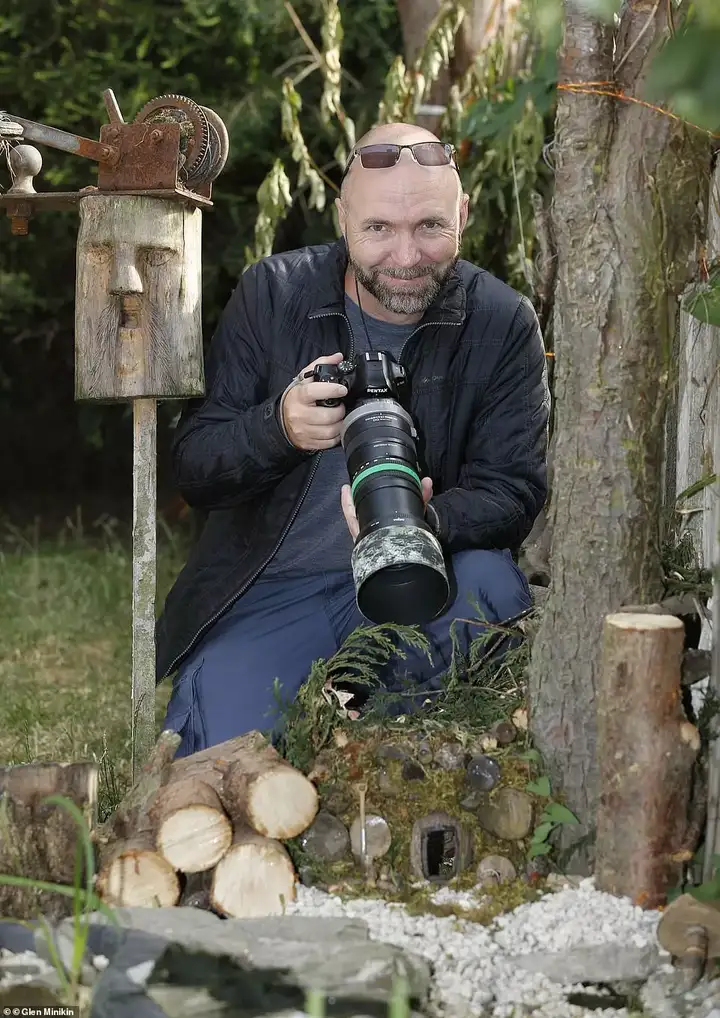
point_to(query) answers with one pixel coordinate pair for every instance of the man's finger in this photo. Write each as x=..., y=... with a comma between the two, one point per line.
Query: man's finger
x=311, y=392
x=348, y=509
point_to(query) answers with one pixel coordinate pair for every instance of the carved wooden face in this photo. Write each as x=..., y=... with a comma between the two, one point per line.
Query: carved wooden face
x=138, y=328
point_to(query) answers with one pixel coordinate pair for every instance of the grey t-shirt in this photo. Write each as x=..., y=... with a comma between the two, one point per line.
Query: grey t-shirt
x=319, y=540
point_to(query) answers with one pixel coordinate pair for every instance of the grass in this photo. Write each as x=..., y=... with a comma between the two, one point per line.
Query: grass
x=65, y=641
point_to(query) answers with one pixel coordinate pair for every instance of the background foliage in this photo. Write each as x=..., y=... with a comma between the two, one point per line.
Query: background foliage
x=56, y=57
x=291, y=118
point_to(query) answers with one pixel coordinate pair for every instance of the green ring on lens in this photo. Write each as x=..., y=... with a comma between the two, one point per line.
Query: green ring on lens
x=385, y=466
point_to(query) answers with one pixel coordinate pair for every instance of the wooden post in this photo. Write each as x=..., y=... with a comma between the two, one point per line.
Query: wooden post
x=144, y=580
x=646, y=751
x=138, y=337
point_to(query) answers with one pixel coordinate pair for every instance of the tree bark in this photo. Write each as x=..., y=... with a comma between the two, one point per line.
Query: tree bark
x=627, y=184
x=40, y=840
x=275, y=799
x=646, y=752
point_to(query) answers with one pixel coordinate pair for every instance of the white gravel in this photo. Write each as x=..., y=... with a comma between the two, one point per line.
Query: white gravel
x=474, y=972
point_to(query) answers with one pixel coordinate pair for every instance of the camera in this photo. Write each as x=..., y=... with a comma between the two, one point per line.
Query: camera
x=397, y=562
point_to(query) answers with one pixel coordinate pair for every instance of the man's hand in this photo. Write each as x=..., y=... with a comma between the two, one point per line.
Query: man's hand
x=308, y=426
x=349, y=509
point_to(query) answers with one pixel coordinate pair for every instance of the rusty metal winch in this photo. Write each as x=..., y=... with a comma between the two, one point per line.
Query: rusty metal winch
x=175, y=148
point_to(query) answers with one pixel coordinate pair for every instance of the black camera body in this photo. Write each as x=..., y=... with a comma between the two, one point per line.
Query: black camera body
x=397, y=562
x=373, y=374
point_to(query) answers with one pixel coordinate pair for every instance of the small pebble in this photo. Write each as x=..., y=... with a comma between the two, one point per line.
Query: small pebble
x=450, y=756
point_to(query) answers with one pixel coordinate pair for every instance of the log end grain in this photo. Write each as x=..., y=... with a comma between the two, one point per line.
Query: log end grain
x=281, y=803
x=138, y=876
x=255, y=878
x=195, y=838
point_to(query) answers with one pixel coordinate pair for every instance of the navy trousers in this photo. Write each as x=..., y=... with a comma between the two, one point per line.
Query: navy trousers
x=281, y=626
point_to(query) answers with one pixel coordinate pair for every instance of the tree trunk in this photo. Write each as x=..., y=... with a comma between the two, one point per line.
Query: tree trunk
x=485, y=21
x=41, y=840
x=627, y=183
x=698, y=415
x=646, y=752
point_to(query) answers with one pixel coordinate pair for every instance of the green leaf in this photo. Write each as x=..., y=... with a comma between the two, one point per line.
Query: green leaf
x=541, y=832
x=539, y=787
x=532, y=755
x=559, y=814
x=537, y=849
x=703, y=302
x=709, y=891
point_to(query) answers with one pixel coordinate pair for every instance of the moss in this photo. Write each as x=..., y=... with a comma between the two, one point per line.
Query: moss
x=401, y=803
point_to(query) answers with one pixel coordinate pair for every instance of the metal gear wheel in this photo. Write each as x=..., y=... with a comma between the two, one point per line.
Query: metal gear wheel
x=219, y=143
x=195, y=134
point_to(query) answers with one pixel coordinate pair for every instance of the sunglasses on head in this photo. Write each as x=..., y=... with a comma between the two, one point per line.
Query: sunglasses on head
x=383, y=156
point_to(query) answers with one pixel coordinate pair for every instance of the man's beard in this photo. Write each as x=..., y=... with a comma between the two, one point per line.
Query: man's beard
x=408, y=301
x=102, y=371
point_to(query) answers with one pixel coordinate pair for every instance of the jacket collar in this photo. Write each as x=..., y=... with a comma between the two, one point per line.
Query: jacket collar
x=448, y=308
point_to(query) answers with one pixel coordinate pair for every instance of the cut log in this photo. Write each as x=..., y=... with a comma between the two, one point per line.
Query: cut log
x=133, y=873
x=193, y=832
x=39, y=840
x=130, y=815
x=272, y=797
x=646, y=751
x=255, y=877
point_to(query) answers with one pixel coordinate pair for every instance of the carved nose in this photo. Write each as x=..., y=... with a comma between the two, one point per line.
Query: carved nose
x=125, y=278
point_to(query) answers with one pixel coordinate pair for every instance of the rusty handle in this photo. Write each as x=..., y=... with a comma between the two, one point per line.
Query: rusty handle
x=64, y=141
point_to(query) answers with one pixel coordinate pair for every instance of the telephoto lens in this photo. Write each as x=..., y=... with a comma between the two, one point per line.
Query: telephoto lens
x=397, y=562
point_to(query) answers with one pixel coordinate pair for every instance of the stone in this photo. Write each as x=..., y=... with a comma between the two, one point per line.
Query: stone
x=167, y=961
x=509, y=816
x=423, y=752
x=326, y=839
x=556, y=881
x=482, y=773
x=599, y=963
x=27, y=968
x=17, y=937
x=412, y=771
x=336, y=798
x=450, y=756
x=392, y=751
x=495, y=869
x=505, y=732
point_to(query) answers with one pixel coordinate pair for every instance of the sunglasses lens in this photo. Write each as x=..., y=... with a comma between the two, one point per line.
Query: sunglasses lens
x=378, y=157
x=432, y=153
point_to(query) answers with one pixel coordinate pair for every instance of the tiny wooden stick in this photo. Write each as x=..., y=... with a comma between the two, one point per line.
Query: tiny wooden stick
x=144, y=541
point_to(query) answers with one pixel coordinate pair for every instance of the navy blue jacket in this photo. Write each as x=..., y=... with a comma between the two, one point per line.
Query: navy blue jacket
x=479, y=398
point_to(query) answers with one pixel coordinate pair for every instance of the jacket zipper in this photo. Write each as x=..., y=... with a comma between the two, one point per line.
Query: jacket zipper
x=211, y=622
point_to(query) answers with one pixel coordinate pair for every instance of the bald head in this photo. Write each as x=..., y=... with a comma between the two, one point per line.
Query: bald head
x=381, y=134
x=402, y=223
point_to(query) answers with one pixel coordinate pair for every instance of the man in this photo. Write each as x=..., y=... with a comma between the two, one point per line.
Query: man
x=268, y=589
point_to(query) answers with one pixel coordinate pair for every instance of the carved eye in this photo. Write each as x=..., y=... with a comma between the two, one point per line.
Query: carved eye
x=157, y=256
x=101, y=253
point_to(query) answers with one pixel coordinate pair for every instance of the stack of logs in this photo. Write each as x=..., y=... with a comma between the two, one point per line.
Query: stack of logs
x=207, y=830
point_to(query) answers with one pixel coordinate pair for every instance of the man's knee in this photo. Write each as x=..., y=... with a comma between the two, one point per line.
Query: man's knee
x=491, y=578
